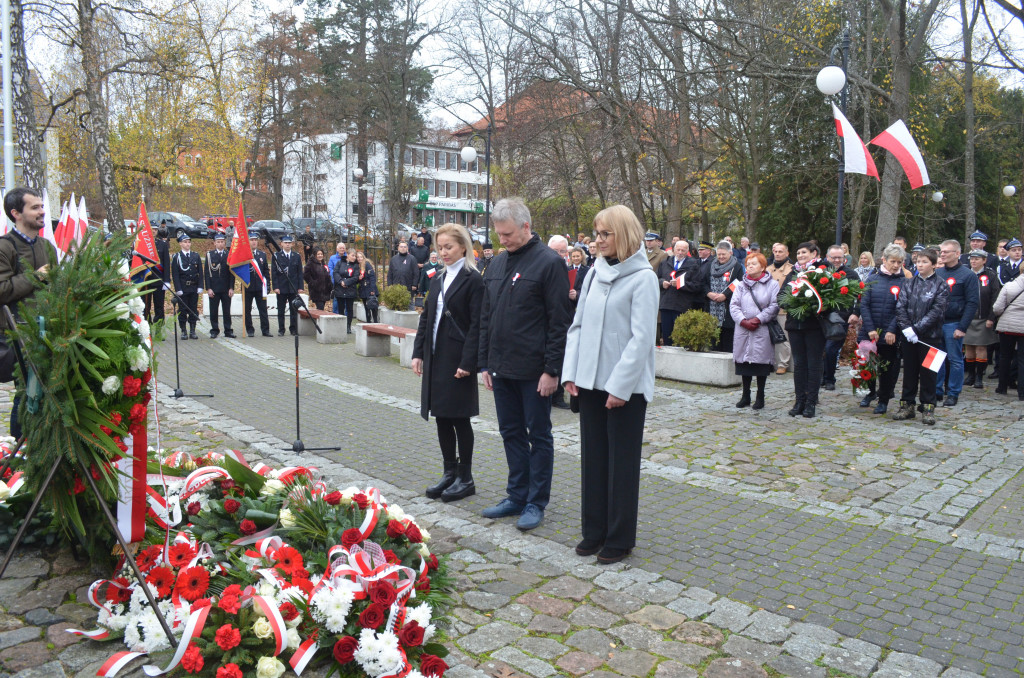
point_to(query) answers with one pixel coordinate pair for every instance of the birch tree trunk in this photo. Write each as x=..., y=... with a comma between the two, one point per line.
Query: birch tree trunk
x=33, y=171
x=970, y=217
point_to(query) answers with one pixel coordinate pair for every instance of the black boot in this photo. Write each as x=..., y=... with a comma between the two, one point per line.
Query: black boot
x=463, y=487
x=192, y=332
x=970, y=367
x=759, y=400
x=979, y=374
x=348, y=330
x=744, y=399
x=449, y=477
x=797, y=409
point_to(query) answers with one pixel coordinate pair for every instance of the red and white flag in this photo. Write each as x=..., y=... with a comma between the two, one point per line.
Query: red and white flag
x=897, y=140
x=934, y=359
x=83, y=222
x=48, y=226
x=678, y=281
x=856, y=158
x=431, y=272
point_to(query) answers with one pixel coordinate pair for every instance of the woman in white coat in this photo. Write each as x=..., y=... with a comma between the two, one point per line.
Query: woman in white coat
x=609, y=366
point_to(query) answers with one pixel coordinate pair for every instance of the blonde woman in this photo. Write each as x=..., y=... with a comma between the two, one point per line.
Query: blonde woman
x=445, y=355
x=609, y=366
x=368, y=288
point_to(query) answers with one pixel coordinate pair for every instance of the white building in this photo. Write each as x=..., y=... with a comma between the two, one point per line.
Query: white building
x=319, y=181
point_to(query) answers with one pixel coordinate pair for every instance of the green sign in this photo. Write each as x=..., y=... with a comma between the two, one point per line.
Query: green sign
x=428, y=220
x=335, y=151
x=478, y=207
x=424, y=196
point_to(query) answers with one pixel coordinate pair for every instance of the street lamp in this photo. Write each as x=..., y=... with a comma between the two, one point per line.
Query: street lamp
x=361, y=215
x=1008, y=191
x=469, y=154
x=832, y=80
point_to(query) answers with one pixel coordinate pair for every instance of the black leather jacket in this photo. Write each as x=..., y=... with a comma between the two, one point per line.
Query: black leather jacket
x=922, y=305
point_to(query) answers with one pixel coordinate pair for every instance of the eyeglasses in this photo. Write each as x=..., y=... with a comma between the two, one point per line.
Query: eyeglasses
x=604, y=235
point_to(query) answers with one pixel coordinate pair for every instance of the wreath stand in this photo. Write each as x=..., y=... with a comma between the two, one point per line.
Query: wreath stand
x=23, y=359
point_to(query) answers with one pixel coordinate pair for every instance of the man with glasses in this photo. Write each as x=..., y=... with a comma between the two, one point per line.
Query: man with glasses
x=837, y=260
x=964, y=292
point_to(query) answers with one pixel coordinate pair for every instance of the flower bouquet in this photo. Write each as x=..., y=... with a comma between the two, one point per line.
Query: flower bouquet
x=819, y=290
x=865, y=365
x=269, y=569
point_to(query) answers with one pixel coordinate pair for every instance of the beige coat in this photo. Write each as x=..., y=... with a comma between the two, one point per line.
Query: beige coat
x=1009, y=307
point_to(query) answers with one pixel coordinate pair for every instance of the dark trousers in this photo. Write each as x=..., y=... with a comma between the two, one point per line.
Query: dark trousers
x=346, y=306
x=455, y=437
x=261, y=307
x=832, y=349
x=320, y=305
x=916, y=377
x=15, y=424
x=668, y=323
x=887, y=377
x=187, y=310
x=610, y=442
x=1011, y=353
x=220, y=301
x=808, y=346
x=285, y=301
x=372, y=315
x=524, y=421
x=725, y=339
x=154, y=301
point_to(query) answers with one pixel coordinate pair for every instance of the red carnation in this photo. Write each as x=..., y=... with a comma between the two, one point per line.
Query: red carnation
x=118, y=594
x=227, y=485
x=334, y=498
x=131, y=386
x=431, y=665
x=229, y=599
x=79, y=487
x=345, y=649
x=413, y=533
x=147, y=375
x=861, y=284
x=351, y=537
x=844, y=290
x=383, y=593
x=137, y=428
x=192, y=583
x=395, y=529
x=289, y=611
x=837, y=275
x=138, y=412
x=823, y=281
x=423, y=585
x=115, y=418
x=162, y=578
x=120, y=443
x=146, y=397
x=362, y=500
x=232, y=505
x=432, y=563
x=105, y=429
x=411, y=635
x=372, y=617
x=227, y=637
x=247, y=527
x=229, y=671
x=192, y=661
x=180, y=554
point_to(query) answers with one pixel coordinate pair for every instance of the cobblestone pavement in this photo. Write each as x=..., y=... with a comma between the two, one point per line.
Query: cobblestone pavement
x=762, y=552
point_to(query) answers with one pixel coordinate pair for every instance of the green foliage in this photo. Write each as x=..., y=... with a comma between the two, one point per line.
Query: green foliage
x=695, y=331
x=396, y=297
x=41, y=531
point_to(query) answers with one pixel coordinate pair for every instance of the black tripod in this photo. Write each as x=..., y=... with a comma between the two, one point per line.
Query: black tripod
x=298, y=304
x=25, y=361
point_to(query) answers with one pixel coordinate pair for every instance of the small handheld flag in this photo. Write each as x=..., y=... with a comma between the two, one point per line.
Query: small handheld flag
x=679, y=280
x=934, y=358
x=431, y=272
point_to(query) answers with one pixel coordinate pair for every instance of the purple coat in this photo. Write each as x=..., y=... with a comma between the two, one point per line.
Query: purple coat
x=754, y=347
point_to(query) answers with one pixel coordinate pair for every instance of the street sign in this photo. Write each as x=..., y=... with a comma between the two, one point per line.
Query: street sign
x=424, y=195
x=478, y=207
x=428, y=220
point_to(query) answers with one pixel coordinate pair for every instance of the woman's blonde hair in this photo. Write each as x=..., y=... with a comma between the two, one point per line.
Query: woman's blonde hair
x=462, y=237
x=629, y=233
x=871, y=258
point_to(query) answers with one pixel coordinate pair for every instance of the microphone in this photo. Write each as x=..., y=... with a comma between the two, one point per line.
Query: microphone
x=140, y=255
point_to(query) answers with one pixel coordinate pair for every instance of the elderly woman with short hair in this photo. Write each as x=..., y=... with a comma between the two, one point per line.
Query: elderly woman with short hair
x=754, y=304
x=878, y=323
x=723, y=272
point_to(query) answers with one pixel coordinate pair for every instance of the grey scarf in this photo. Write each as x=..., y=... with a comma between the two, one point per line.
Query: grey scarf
x=719, y=285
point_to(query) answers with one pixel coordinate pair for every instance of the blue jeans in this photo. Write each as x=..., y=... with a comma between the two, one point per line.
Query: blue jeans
x=334, y=304
x=954, y=359
x=524, y=420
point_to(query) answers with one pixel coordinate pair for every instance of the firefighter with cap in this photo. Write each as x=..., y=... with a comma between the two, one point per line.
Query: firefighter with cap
x=259, y=277
x=978, y=241
x=1009, y=268
x=220, y=286
x=286, y=276
x=187, y=277
x=655, y=252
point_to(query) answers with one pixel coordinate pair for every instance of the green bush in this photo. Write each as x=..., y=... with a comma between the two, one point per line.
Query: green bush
x=396, y=297
x=695, y=331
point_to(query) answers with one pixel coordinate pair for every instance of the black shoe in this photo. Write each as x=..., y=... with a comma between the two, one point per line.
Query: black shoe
x=184, y=337
x=797, y=408
x=867, y=400
x=969, y=378
x=808, y=411
x=267, y=334
x=994, y=374
x=829, y=386
x=744, y=401
x=607, y=556
x=252, y=333
x=881, y=408
x=229, y=334
x=950, y=401
x=294, y=333
x=214, y=334
x=280, y=333
x=192, y=335
x=559, y=403
x=980, y=381
x=462, y=487
x=588, y=547
x=758, y=402
x=1000, y=390
x=449, y=477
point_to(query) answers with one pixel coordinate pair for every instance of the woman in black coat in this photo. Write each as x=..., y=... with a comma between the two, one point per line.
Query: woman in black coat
x=368, y=288
x=445, y=355
x=806, y=340
x=318, y=280
x=346, y=277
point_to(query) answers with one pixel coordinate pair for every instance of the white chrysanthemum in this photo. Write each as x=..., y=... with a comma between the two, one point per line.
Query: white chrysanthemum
x=154, y=638
x=414, y=674
x=136, y=305
x=138, y=358
x=287, y=518
x=330, y=607
x=143, y=329
x=132, y=637
x=111, y=385
x=114, y=622
x=272, y=486
x=124, y=269
x=420, y=614
x=138, y=601
x=122, y=310
x=378, y=653
x=809, y=293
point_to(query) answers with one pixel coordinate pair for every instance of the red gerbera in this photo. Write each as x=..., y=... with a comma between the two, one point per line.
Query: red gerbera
x=147, y=558
x=192, y=583
x=247, y=527
x=289, y=611
x=865, y=374
x=227, y=637
x=192, y=660
x=180, y=554
x=289, y=560
x=118, y=594
x=229, y=671
x=303, y=584
x=163, y=579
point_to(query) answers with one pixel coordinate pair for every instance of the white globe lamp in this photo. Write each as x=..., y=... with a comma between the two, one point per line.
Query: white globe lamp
x=831, y=80
x=1009, y=191
x=468, y=154
x=937, y=196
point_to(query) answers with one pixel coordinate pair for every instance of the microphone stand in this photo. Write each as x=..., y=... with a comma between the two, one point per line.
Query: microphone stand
x=175, y=301
x=298, y=304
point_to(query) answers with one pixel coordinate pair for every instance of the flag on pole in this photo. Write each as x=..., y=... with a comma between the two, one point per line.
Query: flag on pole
x=240, y=255
x=48, y=227
x=145, y=244
x=934, y=358
x=83, y=222
x=897, y=140
x=856, y=158
x=64, y=232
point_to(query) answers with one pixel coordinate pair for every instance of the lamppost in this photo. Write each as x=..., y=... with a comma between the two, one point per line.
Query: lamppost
x=361, y=212
x=832, y=80
x=469, y=155
x=1008, y=191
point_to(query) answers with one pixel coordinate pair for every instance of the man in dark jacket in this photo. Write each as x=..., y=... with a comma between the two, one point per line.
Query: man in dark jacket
x=978, y=241
x=960, y=311
x=420, y=251
x=286, y=274
x=220, y=286
x=163, y=255
x=187, y=278
x=837, y=260
x=577, y=274
x=1009, y=268
x=428, y=239
x=404, y=270
x=24, y=258
x=523, y=324
x=681, y=288
x=257, y=288
x=486, y=259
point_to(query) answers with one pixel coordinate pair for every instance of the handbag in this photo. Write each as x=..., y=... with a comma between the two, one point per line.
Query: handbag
x=371, y=303
x=832, y=326
x=775, y=331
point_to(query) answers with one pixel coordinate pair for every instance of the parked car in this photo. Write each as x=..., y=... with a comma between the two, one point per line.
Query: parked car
x=273, y=226
x=178, y=223
x=224, y=223
x=323, y=229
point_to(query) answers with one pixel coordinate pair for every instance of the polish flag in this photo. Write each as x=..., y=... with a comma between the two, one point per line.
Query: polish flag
x=856, y=158
x=933, y=361
x=431, y=272
x=678, y=281
x=897, y=140
x=48, y=227
x=732, y=287
x=83, y=222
